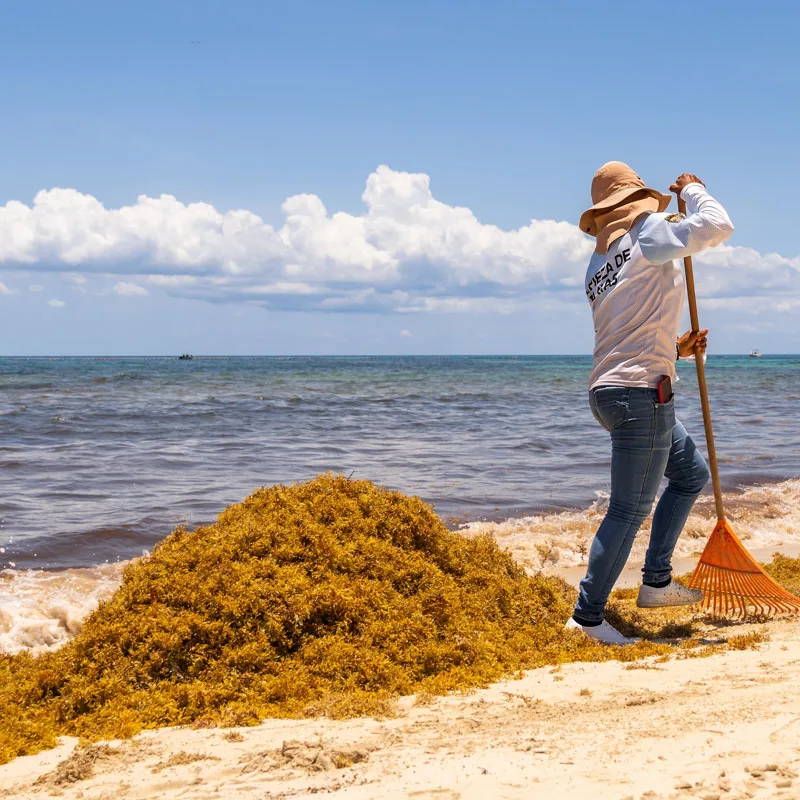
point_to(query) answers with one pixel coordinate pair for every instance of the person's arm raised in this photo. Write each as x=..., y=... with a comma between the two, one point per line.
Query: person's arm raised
x=707, y=224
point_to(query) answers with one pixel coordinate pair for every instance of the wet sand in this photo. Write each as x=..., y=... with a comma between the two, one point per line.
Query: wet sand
x=632, y=574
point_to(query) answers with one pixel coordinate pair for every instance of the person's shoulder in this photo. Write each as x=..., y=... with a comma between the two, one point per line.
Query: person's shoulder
x=658, y=218
x=658, y=236
x=657, y=223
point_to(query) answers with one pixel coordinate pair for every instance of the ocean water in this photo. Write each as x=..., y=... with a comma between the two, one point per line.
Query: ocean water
x=101, y=457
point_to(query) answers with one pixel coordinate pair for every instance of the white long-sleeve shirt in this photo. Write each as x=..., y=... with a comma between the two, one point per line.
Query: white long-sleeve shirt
x=636, y=290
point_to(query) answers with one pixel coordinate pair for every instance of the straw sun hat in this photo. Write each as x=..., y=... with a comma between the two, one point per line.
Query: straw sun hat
x=619, y=198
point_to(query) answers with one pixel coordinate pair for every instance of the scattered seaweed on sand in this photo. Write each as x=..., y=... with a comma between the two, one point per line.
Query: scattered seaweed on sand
x=79, y=766
x=329, y=597
x=305, y=756
x=786, y=571
x=181, y=759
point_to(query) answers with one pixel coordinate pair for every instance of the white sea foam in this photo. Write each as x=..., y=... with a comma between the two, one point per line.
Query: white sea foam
x=762, y=516
x=41, y=610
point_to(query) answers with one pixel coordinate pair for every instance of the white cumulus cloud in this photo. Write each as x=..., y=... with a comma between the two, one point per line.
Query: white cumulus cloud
x=5, y=290
x=406, y=252
x=56, y=303
x=127, y=289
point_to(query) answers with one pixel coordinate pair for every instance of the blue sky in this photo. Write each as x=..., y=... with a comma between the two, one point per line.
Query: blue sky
x=507, y=108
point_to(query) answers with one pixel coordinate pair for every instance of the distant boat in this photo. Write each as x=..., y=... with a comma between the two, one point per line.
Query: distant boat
x=755, y=354
x=185, y=357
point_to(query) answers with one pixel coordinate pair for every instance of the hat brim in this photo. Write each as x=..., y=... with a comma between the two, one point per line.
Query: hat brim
x=618, y=198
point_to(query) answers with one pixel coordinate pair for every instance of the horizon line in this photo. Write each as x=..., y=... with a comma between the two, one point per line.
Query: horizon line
x=176, y=356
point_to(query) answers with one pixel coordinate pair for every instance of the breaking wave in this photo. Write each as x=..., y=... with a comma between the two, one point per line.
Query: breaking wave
x=40, y=610
x=763, y=517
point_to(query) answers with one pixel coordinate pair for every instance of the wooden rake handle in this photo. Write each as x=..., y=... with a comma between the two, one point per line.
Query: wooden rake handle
x=701, y=381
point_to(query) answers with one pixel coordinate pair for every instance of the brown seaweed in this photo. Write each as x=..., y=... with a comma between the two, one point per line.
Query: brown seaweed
x=331, y=597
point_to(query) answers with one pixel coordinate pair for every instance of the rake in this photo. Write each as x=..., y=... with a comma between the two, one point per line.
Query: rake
x=732, y=581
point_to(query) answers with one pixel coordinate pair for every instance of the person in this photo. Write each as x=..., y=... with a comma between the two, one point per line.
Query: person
x=635, y=287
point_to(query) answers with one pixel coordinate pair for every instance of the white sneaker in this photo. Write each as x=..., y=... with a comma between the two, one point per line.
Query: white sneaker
x=605, y=633
x=675, y=594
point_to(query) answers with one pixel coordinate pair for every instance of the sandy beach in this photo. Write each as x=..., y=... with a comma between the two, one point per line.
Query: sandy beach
x=723, y=726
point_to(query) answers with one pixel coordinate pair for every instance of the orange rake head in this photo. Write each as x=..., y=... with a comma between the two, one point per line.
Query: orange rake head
x=732, y=581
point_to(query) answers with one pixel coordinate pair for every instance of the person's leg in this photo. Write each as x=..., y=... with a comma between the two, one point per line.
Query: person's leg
x=688, y=473
x=641, y=437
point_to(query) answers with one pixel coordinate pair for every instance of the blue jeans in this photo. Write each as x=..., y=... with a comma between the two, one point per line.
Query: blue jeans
x=647, y=443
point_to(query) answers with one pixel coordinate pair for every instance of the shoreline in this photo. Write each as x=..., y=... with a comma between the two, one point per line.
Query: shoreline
x=630, y=577
x=42, y=608
x=456, y=523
